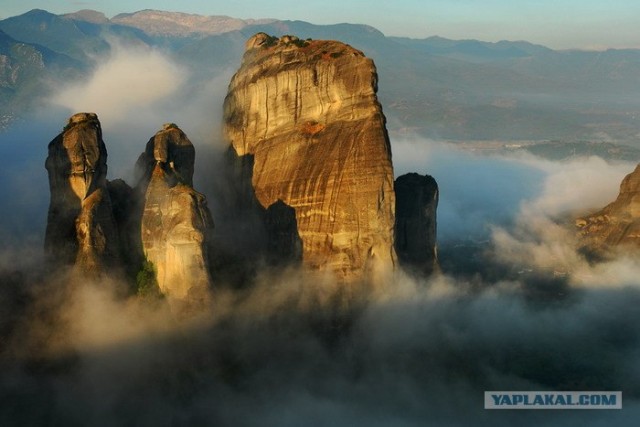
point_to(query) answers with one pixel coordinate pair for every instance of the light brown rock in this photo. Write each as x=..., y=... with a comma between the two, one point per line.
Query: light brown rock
x=308, y=113
x=176, y=222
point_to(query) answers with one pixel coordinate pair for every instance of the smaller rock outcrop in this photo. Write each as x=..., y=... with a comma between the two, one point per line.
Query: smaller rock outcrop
x=415, y=230
x=81, y=230
x=176, y=222
x=616, y=224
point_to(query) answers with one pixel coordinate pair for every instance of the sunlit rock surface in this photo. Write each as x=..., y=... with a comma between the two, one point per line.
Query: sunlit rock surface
x=176, y=222
x=619, y=222
x=307, y=112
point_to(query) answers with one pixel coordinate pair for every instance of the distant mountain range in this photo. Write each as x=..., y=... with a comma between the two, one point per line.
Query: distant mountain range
x=175, y=24
x=455, y=90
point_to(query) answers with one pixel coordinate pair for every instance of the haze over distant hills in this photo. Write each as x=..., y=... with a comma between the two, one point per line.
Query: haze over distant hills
x=462, y=90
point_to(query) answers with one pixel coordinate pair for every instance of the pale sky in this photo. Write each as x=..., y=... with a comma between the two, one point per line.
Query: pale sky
x=559, y=24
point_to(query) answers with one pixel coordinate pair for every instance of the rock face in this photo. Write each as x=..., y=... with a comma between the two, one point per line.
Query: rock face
x=619, y=222
x=176, y=222
x=308, y=114
x=416, y=204
x=81, y=229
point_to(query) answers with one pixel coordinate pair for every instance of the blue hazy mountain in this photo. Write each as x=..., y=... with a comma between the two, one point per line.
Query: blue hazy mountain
x=435, y=87
x=27, y=71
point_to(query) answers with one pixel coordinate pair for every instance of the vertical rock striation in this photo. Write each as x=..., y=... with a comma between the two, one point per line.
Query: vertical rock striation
x=81, y=229
x=416, y=204
x=176, y=222
x=307, y=112
x=619, y=222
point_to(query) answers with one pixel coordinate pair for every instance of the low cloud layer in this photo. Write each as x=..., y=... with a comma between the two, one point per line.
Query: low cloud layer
x=410, y=354
x=288, y=351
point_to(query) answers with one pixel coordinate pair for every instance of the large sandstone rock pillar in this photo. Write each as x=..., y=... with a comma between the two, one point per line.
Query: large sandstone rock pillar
x=308, y=114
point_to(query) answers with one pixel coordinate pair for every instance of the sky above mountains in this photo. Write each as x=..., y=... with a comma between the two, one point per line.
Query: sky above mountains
x=560, y=24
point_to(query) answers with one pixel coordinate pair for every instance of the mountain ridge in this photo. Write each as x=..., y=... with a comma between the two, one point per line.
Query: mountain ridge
x=437, y=88
x=163, y=23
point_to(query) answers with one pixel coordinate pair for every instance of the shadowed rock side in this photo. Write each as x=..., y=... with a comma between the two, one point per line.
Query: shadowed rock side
x=126, y=210
x=176, y=222
x=618, y=223
x=283, y=242
x=244, y=233
x=415, y=239
x=308, y=114
x=81, y=229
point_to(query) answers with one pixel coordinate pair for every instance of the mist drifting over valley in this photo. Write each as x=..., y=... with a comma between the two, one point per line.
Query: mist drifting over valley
x=517, y=306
